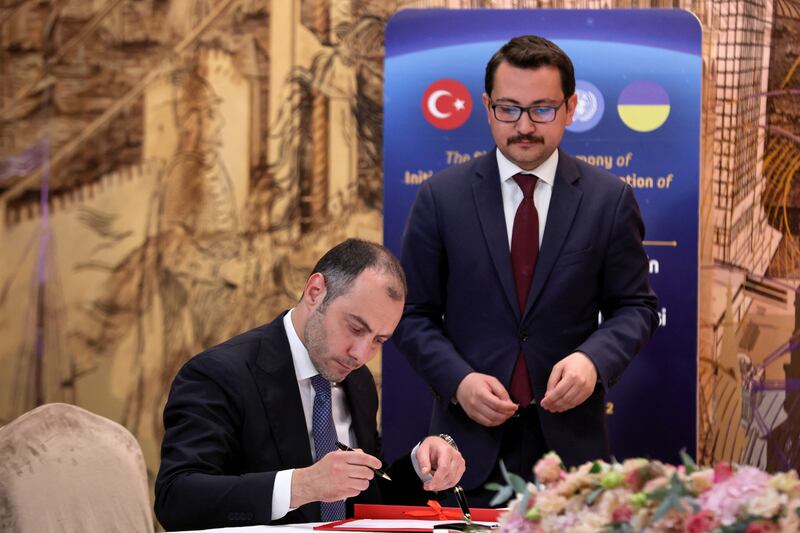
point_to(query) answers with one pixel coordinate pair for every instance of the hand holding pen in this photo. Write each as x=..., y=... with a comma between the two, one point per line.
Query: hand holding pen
x=378, y=471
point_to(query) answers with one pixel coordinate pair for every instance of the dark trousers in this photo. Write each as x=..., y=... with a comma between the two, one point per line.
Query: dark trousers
x=523, y=444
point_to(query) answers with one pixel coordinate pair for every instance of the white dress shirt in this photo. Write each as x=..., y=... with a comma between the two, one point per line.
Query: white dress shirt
x=512, y=194
x=304, y=370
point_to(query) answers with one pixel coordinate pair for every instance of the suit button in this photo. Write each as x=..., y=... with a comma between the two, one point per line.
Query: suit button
x=523, y=337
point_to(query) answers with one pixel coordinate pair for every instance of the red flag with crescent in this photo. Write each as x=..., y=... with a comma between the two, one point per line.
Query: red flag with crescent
x=446, y=104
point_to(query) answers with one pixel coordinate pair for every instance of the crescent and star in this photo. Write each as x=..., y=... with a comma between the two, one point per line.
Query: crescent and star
x=433, y=99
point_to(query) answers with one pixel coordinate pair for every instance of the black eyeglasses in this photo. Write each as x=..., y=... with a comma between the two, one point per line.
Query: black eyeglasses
x=541, y=114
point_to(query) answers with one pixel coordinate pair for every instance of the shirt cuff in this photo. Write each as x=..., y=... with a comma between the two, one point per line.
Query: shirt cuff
x=415, y=463
x=282, y=493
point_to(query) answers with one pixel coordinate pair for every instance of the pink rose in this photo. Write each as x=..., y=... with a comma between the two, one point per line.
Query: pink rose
x=722, y=472
x=633, y=480
x=701, y=522
x=762, y=526
x=548, y=469
x=623, y=513
x=727, y=498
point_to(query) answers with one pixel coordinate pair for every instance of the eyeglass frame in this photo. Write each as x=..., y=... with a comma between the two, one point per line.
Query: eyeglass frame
x=527, y=110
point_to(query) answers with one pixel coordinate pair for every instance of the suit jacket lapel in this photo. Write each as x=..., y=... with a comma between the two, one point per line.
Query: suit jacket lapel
x=489, y=203
x=273, y=370
x=356, y=393
x=563, y=207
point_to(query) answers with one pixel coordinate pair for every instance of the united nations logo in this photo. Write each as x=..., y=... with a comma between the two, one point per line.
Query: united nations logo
x=589, y=109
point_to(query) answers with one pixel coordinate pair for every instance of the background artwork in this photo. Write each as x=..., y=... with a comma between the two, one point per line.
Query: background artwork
x=170, y=170
x=168, y=181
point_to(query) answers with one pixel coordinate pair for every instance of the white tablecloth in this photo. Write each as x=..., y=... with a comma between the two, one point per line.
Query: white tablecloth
x=289, y=528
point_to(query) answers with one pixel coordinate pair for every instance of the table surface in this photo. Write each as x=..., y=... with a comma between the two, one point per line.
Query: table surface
x=288, y=528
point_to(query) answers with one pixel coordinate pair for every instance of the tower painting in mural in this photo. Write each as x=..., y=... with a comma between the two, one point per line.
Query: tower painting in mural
x=189, y=200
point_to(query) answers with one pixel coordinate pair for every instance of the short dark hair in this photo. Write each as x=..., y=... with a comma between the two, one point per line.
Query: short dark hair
x=342, y=264
x=532, y=51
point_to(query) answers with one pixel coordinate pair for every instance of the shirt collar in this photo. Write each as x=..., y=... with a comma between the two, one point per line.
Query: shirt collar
x=303, y=367
x=546, y=172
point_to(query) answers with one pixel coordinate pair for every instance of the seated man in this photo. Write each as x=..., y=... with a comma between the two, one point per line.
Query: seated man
x=251, y=425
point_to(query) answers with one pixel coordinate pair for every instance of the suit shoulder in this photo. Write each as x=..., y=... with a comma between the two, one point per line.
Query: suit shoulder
x=599, y=179
x=231, y=355
x=456, y=175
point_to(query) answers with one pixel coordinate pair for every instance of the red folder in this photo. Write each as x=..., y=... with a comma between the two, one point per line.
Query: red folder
x=364, y=510
x=407, y=512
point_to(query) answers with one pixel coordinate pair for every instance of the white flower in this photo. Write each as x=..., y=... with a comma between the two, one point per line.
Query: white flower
x=767, y=505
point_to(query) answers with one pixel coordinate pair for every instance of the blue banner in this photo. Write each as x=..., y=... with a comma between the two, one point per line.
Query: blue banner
x=638, y=81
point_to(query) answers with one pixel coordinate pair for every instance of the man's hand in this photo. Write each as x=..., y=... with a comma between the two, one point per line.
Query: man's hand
x=484, y=399
x=572, y=381
x=437, y=457
x=336, y=476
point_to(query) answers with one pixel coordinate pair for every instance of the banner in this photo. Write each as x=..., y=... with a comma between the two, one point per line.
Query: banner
x=638, y=82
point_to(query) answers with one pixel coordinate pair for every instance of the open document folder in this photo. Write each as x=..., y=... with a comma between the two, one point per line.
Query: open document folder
x=411, y=518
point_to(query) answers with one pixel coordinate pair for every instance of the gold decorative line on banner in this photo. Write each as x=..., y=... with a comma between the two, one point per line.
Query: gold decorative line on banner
x=660, y=243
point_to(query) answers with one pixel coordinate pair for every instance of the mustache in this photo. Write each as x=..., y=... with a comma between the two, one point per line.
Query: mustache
x=526, y=138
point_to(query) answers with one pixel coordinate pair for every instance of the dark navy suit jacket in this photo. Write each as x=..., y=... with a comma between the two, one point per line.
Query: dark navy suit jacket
x=234, y=418
x=461, y=313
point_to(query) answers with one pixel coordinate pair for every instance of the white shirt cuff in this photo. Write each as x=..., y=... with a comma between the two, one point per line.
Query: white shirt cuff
x=414, y=462
x=282, y=493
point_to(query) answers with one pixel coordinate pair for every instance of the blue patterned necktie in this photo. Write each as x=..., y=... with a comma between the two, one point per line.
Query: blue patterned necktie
x=325, y=440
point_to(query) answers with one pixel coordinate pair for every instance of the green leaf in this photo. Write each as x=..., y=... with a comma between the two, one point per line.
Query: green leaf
x=672, y=498
x=596, y=468
x=517, y=483
x=493, y=486
x=670, y=502
x=502, y=496
x=688, y=462
x=592, y=497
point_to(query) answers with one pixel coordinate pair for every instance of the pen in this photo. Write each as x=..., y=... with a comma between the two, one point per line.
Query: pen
x=462, y=502
x=378, y=471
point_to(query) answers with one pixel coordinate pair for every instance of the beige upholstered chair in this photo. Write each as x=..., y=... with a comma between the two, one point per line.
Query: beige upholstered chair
x=63, y=468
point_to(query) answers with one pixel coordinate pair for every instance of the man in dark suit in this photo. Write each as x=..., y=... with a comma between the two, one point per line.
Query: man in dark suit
x=510, y=259
x=251, y=424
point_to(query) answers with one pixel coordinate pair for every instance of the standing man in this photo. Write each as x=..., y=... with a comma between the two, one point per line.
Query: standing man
x=251, y=425
x=510, y=258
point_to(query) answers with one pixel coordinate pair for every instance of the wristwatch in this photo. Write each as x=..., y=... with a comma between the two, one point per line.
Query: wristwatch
x=449, y=440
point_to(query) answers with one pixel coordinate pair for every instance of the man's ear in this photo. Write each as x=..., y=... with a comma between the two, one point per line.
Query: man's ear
x=315, y=290
x=486, y=104
x=571, y=105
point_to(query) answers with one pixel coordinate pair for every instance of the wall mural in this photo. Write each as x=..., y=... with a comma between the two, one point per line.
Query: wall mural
x=168, y=182
x=169, y=172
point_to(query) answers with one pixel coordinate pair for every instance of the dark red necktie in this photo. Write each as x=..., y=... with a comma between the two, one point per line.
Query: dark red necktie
x=524, y=252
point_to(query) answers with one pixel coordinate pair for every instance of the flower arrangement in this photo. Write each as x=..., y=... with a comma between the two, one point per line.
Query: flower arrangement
x=639, y=495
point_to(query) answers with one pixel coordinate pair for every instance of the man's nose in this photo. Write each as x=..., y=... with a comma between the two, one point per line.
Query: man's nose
x=362, y=350
x=525, y=124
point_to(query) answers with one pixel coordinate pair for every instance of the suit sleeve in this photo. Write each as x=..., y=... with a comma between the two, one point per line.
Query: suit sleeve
x=628, y=305
x=420, y=335
x=201, y=440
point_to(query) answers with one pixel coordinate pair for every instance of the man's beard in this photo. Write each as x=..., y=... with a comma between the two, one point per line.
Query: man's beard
x=316, y=339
